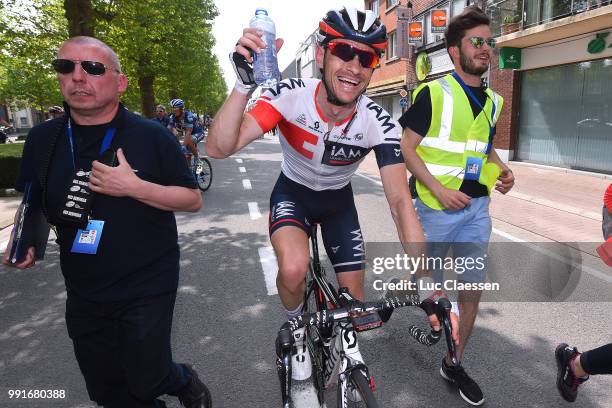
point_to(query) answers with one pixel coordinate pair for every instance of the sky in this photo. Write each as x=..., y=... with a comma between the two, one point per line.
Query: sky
x=294, y=20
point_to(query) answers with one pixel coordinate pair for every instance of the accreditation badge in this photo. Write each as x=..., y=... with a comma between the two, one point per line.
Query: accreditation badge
x=88, y=239
x=473, y=166
x=77, y=203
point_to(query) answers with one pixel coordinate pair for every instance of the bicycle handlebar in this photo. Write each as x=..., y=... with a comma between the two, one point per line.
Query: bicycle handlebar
x=324, y=317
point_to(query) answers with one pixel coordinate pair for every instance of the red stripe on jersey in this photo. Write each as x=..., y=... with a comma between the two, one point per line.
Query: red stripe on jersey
x=287, y=220
x=266, y=115
x=296, y=136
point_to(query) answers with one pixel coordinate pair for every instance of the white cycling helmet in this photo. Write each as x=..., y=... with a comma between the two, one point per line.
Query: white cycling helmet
x=177, y=103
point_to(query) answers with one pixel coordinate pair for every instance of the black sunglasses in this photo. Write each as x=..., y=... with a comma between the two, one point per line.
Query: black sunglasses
x=346, y=52
x=478, y=42
x=66, y=66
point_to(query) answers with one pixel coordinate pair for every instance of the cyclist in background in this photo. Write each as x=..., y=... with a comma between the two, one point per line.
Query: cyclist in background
x=56, y=112
x=185, y=122
x=326, y=128
x=161, y=116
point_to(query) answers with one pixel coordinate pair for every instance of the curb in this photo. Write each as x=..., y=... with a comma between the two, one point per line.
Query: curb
x=562, y=169
x=557, y=206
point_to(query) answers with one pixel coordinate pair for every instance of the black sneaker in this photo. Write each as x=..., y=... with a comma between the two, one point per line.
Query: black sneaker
x=194, y=394
x=468, y=389
x=567, y=382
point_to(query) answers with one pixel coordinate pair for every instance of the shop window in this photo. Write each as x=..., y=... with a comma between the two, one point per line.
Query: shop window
x=566, y=116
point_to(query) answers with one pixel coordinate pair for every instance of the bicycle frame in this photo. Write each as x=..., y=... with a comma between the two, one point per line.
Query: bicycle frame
x=331, y=339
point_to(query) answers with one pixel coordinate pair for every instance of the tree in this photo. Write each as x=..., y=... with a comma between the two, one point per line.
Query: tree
x=165, y=48
x=29, y=35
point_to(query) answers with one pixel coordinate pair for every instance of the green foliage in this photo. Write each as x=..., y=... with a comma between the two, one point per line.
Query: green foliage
x=11, y=150
x=10, y=160
x=509, y=19
x=29, y=35
x=165, y=48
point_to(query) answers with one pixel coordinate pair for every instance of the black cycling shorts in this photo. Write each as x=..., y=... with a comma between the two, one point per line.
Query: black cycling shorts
x=296, y=205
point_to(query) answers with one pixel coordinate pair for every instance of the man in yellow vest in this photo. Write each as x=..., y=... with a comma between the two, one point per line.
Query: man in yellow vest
x=447, y=145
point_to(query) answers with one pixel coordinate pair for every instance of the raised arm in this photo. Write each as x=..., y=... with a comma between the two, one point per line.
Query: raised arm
x=232, y=128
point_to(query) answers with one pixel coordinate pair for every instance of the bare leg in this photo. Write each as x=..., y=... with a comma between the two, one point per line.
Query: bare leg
x=292, y=253
x=468, y=309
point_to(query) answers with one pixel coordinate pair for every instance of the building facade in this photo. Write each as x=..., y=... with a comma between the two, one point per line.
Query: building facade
x=559, y=98
x=397, y=76
x=557, y=102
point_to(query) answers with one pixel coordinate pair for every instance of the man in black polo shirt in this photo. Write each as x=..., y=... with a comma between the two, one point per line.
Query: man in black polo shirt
x=121, y=265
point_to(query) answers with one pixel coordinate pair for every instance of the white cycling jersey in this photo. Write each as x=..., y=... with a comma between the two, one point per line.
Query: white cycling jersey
x=303, y=126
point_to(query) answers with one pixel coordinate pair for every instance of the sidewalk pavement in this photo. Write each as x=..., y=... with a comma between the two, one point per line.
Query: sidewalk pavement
x=546, y=204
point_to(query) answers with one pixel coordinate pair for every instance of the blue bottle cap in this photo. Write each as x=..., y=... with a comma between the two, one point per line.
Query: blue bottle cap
x=261, y=12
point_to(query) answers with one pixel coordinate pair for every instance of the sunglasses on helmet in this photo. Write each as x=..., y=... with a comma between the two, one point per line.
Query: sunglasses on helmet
x=478, y=42
x=66, y=66
x=346, y=52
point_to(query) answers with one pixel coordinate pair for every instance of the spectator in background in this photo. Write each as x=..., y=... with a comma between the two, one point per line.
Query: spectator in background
x=161, y=116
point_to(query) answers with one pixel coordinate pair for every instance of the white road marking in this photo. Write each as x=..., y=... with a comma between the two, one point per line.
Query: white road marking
x=550, y=254
x=242, y=169
x=254, y=211
x=238, y=160
x=246, y=183
x=3, y=245
x=304, y=395
x=270, y=268
x=507, y=236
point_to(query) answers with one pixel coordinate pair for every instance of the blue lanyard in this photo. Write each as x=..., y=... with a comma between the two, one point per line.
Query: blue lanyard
x=473, y=97
x=108, y=139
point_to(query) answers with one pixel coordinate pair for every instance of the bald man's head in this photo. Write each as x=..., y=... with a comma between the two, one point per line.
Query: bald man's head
x=83, y=40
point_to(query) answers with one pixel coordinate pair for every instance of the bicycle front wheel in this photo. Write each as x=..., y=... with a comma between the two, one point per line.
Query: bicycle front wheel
x=203, y=174
x=357, y=392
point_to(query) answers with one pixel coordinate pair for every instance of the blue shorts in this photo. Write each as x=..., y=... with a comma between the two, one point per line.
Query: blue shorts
x=466, y=231
x=292, y=204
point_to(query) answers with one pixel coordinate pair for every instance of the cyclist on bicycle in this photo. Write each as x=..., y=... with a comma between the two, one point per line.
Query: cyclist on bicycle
x=326, y=128
x=181, y=120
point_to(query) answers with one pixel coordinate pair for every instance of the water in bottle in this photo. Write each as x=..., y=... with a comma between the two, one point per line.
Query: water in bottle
x=265, y=64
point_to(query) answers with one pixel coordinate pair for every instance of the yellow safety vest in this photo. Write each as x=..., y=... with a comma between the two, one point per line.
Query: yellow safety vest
x=454, y=135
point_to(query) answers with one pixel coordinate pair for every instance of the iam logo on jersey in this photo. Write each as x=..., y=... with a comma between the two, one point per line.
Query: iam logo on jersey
x=338, y=154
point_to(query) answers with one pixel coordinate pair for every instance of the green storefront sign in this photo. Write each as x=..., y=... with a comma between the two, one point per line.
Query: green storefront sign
x=510, y=58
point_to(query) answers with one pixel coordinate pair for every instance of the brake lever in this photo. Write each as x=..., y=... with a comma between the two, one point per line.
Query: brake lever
x=443, y=310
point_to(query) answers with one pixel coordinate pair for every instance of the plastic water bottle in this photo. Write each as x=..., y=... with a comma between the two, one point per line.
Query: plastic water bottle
x=265, y=64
